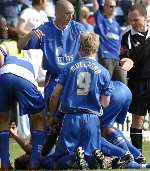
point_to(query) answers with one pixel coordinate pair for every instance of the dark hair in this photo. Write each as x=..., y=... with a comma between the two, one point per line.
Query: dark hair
x=140, y=7
x=36, y=2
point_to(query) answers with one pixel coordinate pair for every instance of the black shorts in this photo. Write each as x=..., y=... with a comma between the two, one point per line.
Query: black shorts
x=140, y=96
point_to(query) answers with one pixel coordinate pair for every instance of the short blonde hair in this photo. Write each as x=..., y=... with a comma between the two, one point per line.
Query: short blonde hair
x=89, y=43
x=85, y=12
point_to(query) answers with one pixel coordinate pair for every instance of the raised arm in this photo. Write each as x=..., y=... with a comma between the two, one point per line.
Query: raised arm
x=95, y=6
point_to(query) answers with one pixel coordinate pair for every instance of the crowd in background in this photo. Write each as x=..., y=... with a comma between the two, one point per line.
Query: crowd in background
x=11, y=9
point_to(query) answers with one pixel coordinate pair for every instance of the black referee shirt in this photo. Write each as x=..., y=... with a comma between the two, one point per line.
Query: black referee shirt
x=136, y=46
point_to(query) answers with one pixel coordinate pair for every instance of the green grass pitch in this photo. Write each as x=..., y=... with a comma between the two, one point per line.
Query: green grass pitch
x=16, y=151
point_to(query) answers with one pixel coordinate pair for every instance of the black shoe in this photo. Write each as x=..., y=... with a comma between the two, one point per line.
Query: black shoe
x=122, y=161
x=99, y=158
x=140, y=159
x=79, y=159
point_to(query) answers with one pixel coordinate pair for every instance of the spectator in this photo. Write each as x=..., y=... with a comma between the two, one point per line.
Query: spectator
x=9, y=10
x=3, y=29
x=8, y=45
x=84, y=14
x=109, y=31
x=135, y=52
x=32, y=17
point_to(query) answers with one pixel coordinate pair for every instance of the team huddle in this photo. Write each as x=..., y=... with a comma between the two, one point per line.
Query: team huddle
x=81, y=103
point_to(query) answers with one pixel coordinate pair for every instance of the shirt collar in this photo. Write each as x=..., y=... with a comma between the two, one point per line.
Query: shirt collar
x=59, y=28
x=133, y=32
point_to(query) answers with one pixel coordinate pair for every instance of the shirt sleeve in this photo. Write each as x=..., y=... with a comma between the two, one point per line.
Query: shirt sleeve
x=80, y=27
x=34, y=42
x=99, y=27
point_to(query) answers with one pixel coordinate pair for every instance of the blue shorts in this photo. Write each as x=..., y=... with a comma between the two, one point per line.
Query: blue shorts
x=13, y=87
x=78, y=130
x=119, y=104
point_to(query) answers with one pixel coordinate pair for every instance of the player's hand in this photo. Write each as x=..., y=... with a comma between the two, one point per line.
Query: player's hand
x=37, y=33
x=126, y=64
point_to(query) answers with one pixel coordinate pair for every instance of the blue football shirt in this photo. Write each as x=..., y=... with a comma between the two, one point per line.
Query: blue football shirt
x=109, y=32
x=59, y=47
x=84, y=81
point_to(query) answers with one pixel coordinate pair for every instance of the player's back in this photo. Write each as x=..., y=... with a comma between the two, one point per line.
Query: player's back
x=84, y=82
x=18, y=66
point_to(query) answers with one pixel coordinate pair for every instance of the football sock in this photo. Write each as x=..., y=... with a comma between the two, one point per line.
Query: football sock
x=110, y=149
x=38, y=138
x=49, y=143
x=117, y=139
x=4, y=148
x=134, y=151
x=136, y=137
x=135, y=165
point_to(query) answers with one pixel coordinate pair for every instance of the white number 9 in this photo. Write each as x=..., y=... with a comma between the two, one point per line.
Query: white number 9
x=83, y=83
